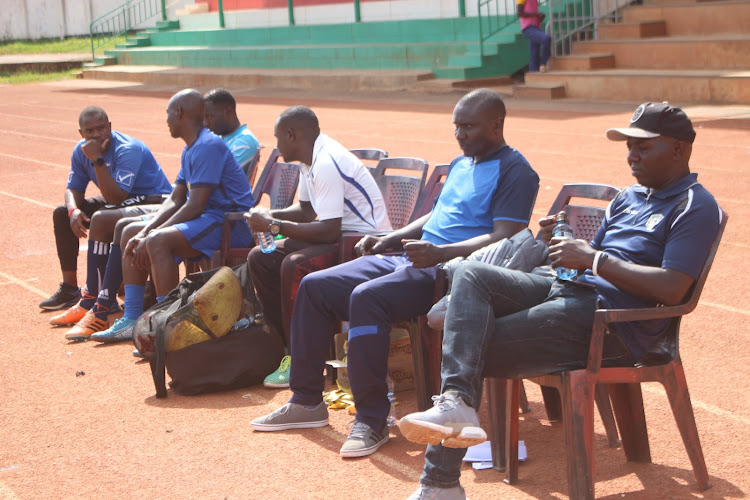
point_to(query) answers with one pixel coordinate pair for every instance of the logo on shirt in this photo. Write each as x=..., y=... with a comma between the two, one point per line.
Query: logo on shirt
x=125, y=177
x=654, y=221
x=70, y=177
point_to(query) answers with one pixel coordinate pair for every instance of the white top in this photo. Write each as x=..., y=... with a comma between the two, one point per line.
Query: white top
x=338, y=185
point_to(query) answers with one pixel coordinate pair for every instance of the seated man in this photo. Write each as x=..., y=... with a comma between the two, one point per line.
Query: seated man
x=220, y=118
x=337, y=193
x=188, y=224
x=125, y=172
x=487, y=196
x=649, y=250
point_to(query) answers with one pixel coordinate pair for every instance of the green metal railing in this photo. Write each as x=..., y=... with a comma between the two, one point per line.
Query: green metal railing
x=493, y=16
x=578, y=20
x=122, y=19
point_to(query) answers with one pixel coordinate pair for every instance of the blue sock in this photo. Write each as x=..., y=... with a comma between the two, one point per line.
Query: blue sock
x=98, y=254
x=134, y=301
x=107, y=299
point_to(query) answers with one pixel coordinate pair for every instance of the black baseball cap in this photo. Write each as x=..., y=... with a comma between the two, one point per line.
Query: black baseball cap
x=653, y=119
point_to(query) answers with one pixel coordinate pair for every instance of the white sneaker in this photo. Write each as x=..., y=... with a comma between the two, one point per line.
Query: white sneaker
x=430, y=493
x=449, y=421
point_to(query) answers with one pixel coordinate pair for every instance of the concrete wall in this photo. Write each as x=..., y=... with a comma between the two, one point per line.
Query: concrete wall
x=34, y=19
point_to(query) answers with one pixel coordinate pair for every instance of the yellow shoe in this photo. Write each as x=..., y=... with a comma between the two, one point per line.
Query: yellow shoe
x=89, y=325
x=69, y=317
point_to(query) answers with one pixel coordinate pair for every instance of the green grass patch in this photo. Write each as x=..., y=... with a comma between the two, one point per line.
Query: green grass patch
x=33, y=77
x=56, y=46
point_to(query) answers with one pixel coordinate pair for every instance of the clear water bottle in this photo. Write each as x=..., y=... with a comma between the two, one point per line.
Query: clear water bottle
x=391, y=419
x=266, y=241
x=564, y=231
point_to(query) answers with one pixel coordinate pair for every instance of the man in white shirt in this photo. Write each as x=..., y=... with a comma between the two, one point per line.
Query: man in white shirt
x=336, y=193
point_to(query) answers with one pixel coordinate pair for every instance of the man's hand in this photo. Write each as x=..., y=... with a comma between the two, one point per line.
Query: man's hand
x=137, y=250
x=541, y=16
x=570, y=253
x=546, y=225
x=79, y=223
x=258, y=219
x=423, y=254
x=370, y=245
x=93, y=150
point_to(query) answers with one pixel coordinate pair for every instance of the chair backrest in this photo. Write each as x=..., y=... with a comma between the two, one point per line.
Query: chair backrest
x=279, y=181
x=251, y=167
x=583, y=219
x=432, y=189
x=400, y=192
x=369, y=157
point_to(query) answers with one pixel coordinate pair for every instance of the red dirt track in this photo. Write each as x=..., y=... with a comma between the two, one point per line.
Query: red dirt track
x=105, y=435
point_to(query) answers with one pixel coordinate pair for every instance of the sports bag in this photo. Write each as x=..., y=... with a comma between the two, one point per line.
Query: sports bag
x=188, y=334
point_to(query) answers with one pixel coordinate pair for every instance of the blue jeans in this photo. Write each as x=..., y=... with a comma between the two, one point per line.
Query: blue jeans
x=539, y=41
x=510, y=324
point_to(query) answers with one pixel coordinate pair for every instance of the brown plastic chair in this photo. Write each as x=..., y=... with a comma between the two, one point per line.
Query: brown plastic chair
x=279, y=182
x=400, y=191
x=661, y=364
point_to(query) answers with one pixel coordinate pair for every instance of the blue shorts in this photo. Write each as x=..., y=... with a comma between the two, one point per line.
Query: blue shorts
x=204, y=233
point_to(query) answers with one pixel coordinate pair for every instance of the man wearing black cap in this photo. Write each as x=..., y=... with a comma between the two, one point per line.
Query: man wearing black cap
x=649, y=250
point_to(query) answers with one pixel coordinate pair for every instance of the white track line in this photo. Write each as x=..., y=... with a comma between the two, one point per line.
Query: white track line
x=23, y=198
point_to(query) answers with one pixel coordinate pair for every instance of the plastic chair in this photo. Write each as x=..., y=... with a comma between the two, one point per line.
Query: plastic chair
x=661, y=364
x=370, y=157
x=400, y=191
x=430, y=192
x=279, y=182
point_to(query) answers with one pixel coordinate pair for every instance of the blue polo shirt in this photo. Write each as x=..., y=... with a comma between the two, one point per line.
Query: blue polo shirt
x=243, y=144
x=130, y=162
x=672, y=228
x=208, y=162
x=501, y=187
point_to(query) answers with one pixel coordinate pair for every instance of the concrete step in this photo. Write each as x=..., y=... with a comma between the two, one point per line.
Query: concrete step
x=583, y=62
x=640, y=29
x=695, y=19
x=676, y=86
x=685, y=52
x=540, y=90
x=336, y=80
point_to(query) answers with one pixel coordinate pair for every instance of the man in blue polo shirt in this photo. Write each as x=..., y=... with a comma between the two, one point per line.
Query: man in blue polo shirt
x=127, y=175
x=188, y=224
x=221, y=119
x=488, y=195
x=649, y=250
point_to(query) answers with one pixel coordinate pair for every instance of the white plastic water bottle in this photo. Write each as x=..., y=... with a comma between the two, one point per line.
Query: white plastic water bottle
x=391, y=419
x=266, y=241
x=563, y=230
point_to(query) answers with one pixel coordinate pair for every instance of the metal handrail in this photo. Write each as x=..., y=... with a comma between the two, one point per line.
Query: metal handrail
x=577, y=20
x=495, y=19
x=122, y=19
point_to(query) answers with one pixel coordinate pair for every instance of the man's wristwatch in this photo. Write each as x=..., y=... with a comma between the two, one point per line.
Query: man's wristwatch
x=274, y=227
x=99, y=162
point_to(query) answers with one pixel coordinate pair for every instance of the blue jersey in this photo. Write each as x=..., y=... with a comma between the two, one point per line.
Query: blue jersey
x=209, y=163
x=672, y=228
x=501, y=187
x=130, y=162
x=243, y=144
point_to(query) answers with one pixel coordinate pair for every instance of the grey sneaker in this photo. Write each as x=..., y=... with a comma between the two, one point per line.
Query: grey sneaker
x=292, y=416
x=362, y=440
x=429, y=493
x=450, y=420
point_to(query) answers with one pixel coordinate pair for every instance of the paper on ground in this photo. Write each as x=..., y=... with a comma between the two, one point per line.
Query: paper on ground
x=481, y=454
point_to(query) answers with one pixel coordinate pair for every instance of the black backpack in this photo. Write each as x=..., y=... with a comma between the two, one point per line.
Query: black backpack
x=243, y=356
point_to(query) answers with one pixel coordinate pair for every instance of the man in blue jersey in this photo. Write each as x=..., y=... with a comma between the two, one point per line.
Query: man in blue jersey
x=337, y=193
x=221, y=119
x=188, y=224
x=649, y=250
x=126, y=173
x=488, y=195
